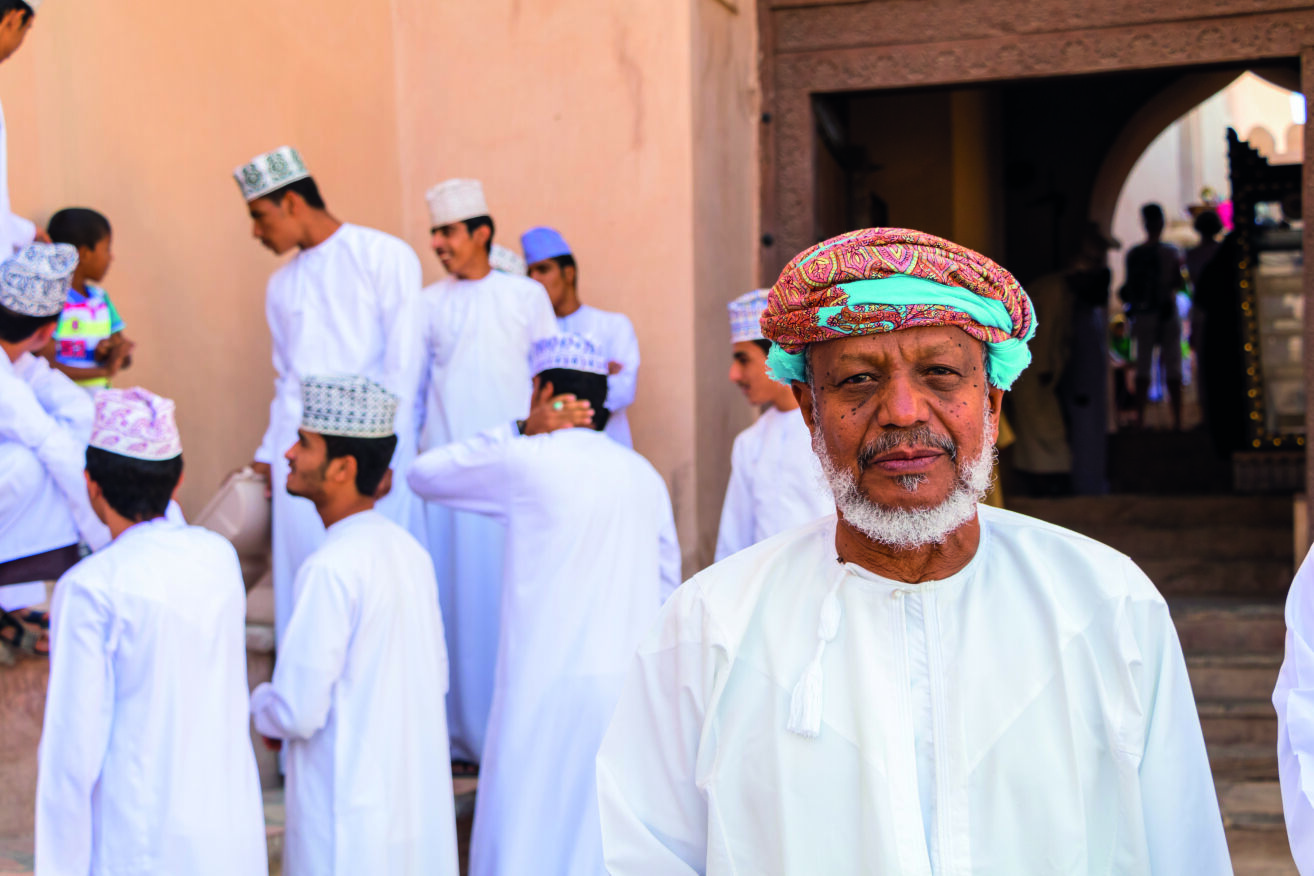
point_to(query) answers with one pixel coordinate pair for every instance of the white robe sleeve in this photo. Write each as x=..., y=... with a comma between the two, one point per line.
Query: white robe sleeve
x=736, y=530
x=1183, y=824
x=397, y=279
x=267, y=452
x=653, y=812
x=625, y=350
x=470, y=475
x=76, y=730
x=310, y=660
x=25, y=421
x=63, y=399
x=542, y=318
x=1293, y=699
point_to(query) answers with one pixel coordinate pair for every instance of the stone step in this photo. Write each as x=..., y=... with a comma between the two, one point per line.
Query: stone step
x=1227, y=625
x=1231, y=722
x=1258, y=578
x=1243, y=761
x=1164, y=513
x=1256, y=832
x=1236, y=540
x=1233, y=676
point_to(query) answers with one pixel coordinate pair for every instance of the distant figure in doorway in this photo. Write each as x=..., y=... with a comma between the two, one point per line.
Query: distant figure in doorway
x=1154, y=276
x=1084, y=389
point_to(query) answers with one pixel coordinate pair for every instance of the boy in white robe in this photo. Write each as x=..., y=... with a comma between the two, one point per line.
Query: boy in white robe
x=45, y=420
x=591, y=554
x=347, y=303
x=480, y=325
x=775, y=481
x=145, y=760
x=918, y=685
x=358, y=687
x=552, y=263
x=16, y=19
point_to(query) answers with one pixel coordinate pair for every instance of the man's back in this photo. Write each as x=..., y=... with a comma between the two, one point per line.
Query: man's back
x=360, y=682
x=146, y=757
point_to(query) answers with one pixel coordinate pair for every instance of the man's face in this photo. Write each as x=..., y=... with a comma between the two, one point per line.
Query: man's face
x=13, y=29
x=457, y=248
x=904, y=413
x=307, y=461
x=274, y=225
x=748, y=371
x=550, y=274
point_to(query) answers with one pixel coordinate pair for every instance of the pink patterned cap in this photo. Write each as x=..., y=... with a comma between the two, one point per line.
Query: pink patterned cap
x=135, y=422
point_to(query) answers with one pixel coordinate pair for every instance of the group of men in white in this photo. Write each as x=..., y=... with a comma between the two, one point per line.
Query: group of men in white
x=466, y=555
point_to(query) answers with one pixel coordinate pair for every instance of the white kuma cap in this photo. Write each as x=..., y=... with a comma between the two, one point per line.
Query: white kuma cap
x=455, y=200
x=269, y=171
x=347, y=405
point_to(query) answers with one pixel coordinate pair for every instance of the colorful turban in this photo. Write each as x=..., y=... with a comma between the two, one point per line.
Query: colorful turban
x=886, y=279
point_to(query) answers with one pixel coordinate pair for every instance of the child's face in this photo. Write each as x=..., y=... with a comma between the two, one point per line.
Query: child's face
x=95, y=262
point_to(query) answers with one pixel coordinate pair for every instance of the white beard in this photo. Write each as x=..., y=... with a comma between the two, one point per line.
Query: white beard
x=907, y=528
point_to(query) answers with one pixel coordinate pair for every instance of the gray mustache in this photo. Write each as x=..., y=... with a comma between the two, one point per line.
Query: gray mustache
x=918, y=436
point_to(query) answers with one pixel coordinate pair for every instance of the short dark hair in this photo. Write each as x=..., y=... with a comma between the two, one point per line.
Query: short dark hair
x=567, y=261
x=472, y=225
x=582, y=385
x=1207, y=224
x=305, y=187
x=1152, y=214
x=16, y=327
x=764, y=344
x=138, y=489
x=7, y=5
x=373, y=456
x=79, y=226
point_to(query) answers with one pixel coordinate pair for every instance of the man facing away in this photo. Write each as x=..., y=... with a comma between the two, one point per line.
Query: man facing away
x=480, y=326
x=347, y=303
x=591, y=555
x=45, y=421
x=145, y=759
x=918, y=685
x=1154, y=276
x=358, y=687
x=16, y=19
x=775, y=482
x=552, y=263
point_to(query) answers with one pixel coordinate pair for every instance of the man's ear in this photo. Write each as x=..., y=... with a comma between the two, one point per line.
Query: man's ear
x=341, y=470
x=568, y=274
x=995, y=400
x=482, y=235
x=803, y=395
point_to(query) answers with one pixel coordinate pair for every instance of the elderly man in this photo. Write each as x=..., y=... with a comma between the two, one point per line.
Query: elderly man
x=918, y=684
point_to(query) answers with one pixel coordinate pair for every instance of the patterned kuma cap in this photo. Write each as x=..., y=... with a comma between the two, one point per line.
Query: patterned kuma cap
x=34, y=280
x=135, y=422
x=508, y=261
x=455, y=200
x=347, y=405
x=567, y=350
x=746, y=315
x=270, y=171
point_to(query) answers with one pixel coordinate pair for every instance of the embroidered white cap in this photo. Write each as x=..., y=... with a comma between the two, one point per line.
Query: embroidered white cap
x=269, y=171
x=567, y=350
x=34, y=280
x=746, y=315
x=347, y=405
x=508, y=261
x=135, y=422
x=454, y=200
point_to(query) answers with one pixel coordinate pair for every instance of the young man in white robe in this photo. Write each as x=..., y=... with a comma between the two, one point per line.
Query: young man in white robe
x=16, y=19
x=358, y=686
x=552, y=263
x=480, y=325
x=145, y=759
x=347, y=303
x=920, y=684
x=591, y=554
x=775, y=481
x=45, y=420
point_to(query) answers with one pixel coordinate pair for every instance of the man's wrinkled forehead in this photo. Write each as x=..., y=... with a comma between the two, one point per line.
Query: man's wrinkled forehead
x=914, y=344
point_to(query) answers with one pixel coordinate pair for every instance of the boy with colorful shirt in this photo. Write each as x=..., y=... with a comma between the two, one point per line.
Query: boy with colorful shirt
x=89, y=345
